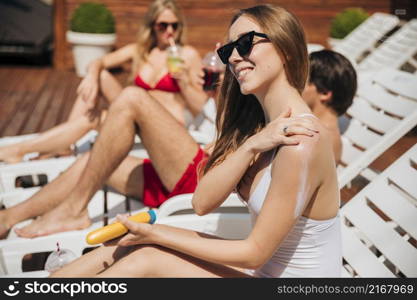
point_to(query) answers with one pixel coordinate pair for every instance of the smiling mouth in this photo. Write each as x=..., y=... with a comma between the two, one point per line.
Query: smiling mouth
x=242, y=73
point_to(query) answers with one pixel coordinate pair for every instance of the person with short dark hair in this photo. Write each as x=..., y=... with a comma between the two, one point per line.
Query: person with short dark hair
x=330, y=90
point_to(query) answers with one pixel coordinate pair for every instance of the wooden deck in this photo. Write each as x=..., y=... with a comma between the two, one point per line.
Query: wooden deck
x=34, y=99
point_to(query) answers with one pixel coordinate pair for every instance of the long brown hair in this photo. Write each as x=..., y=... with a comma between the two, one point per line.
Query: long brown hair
x=240, y=116
x=146, y=38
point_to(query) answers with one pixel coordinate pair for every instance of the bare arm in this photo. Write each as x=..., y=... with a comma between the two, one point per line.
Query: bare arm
x=230, y=171
x=191, y=90
x=88, y=88
x=206, y=198
x=280, y=211
x=113, y=59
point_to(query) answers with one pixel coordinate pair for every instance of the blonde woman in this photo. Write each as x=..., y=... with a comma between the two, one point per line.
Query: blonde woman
x=284, y=171
x=155, y=111
x=177, y=92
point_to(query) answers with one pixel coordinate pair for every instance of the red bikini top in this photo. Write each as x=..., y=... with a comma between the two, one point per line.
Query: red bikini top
x=166, y=83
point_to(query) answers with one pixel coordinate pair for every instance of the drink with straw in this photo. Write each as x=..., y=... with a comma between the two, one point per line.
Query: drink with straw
x=174, y=60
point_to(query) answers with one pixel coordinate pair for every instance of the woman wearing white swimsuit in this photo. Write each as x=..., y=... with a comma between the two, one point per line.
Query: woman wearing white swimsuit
x=282, y=166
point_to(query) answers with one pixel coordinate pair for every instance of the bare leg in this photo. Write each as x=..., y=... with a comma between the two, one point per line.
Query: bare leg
x=156, y=261
x=143, y=261
x=60, y=137
x=169, y=145
x=52, y=140
x=127, y=179
x=45, y=199
x=93, y=262
x=110, y=89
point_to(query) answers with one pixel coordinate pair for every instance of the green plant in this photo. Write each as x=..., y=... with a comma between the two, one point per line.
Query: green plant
x=347, y=20
x=91, y=17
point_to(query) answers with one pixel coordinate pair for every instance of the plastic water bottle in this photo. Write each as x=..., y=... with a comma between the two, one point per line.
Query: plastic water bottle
x=213, y=67
x=59, y=258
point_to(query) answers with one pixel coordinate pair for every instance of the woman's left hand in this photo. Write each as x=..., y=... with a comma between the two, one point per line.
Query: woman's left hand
x=139, y=233
x=281, y=131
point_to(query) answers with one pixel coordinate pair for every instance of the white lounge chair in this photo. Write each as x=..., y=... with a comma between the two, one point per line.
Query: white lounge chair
x=50, y=167
x=364, y=37
x=383, y=111
x=379, y=224
x=13, y=249
x=398, y=51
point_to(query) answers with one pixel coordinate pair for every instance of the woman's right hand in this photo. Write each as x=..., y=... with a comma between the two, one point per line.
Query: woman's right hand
x=281, y=131
x=88, y=90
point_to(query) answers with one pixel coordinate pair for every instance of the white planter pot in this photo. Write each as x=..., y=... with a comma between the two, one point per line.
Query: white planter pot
x=87, y=47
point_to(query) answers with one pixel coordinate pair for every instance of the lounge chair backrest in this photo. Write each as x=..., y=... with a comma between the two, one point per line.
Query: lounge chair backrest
x=364, y=37
x=383, y=111
x=399, y=51
x=379, y=224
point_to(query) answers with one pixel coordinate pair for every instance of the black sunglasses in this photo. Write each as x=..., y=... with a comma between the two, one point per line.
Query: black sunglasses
x=243, y=46
x=162, y=26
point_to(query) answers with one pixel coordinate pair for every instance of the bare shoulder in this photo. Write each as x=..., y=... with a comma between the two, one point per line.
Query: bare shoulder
x=310, y=150
x=303, y=151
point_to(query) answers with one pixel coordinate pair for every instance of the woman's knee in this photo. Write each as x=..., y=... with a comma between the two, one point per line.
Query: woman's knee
x=105, y=76
x=133, y=98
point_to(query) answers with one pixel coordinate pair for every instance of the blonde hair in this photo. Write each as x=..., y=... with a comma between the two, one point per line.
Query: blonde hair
x=240, y=116
x=146, y=38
